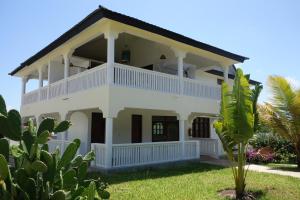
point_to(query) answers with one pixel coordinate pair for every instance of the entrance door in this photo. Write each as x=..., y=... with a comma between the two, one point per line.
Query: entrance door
x=98, y=128
x=136, y=128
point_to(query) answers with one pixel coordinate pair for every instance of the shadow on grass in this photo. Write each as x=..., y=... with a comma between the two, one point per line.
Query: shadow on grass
x=229, y=194
x=153, y=172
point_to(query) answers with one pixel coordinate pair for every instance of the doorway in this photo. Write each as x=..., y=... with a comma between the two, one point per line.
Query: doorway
x=98, y=128
x=136, y=129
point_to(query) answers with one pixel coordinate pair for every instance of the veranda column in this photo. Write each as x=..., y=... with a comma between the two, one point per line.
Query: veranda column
x=23, y=91
x=108, y=141
x=182, y=135
x=49, y=78
x=110, y=36
x=40, y=81
x=180, y=56
x=67, y=57
x=64, y=135
x=226, y=71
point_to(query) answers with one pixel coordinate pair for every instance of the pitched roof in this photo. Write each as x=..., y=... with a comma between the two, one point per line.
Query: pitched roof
x=102, y=12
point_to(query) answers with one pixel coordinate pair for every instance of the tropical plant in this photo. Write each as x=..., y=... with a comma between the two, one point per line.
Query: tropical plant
x=236, y=125
x=282, y=113
x=37, y=173
x=284, y=151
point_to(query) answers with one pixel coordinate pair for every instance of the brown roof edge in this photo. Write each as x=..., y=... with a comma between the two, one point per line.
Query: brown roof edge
x=103, y=12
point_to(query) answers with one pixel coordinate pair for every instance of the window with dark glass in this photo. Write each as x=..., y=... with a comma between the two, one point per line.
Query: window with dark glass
x=201, y=127
x=165, y=128
x=219, y=81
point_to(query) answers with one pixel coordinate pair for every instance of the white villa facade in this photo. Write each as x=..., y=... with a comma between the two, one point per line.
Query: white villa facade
x=135, y=93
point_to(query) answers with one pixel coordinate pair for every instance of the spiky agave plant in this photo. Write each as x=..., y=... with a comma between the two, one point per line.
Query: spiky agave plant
x=235, y=125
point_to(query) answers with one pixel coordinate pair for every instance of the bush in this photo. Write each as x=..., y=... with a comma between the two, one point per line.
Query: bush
x=38, y=174
x=283, y=149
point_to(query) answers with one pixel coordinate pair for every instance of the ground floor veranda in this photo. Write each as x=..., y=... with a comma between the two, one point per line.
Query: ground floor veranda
x=138, y=136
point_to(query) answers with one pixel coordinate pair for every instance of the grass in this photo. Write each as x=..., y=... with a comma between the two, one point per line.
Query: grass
x=284, y=167
x=194, y=181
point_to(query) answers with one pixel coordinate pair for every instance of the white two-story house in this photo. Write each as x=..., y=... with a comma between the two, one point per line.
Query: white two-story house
x=135, y=93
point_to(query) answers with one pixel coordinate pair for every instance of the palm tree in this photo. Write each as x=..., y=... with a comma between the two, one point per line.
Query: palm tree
x=282, y=113
x=236, y=124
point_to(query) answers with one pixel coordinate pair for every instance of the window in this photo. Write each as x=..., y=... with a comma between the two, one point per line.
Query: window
x=201, y=127
x=220, y=81
x=165, y=128
x=158, y=128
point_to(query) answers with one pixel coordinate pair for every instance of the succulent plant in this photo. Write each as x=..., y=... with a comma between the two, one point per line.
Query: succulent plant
x=38, y=173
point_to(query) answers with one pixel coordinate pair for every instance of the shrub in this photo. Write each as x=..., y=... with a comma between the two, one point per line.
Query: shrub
x=283, y=149
x=255, y=156
x=38, y=174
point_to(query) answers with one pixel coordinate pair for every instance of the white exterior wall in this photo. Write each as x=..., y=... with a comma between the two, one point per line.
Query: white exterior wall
x=79, y=128
x=122, y=124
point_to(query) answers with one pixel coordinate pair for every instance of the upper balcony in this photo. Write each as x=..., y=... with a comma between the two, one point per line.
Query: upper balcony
x=124, y=76
x=154, y=72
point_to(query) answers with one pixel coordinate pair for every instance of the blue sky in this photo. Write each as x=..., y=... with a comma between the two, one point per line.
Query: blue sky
x=268, y=32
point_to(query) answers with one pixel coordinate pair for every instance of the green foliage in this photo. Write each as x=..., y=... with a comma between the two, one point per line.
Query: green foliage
x=236, y=123
x=282, y=114
x=284, y=149
x=39, y=174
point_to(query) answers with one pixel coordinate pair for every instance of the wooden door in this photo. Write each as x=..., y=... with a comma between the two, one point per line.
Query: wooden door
x=98, y=128
x=136, y=129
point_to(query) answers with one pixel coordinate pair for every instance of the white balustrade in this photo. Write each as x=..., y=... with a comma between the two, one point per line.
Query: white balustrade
x=200, y=89
x=56, y=89
x=134, y=77
x=44, y=93
x=92, y=78
x=125, y=76
x=30, y=97
x=99, y=150
x=149, y=153
x=208, y=147
x=192, y=149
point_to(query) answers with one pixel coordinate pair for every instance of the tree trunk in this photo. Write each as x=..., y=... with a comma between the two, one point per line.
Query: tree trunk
x=240, y=181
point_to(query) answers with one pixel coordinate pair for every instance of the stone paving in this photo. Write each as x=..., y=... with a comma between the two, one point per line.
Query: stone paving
x=252, y=167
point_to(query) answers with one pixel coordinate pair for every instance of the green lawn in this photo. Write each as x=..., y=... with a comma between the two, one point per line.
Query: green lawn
x=194, y=181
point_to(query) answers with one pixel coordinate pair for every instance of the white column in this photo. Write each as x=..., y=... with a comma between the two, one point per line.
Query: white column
x=23, y=90
x=226, y=71
x=64, y=135
x=182, y=134
x=40, y=81
x=108, y=141
x=49, y=78
x=180, y=56
x=24, y=81
x=67, y=57
x=110, y=36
